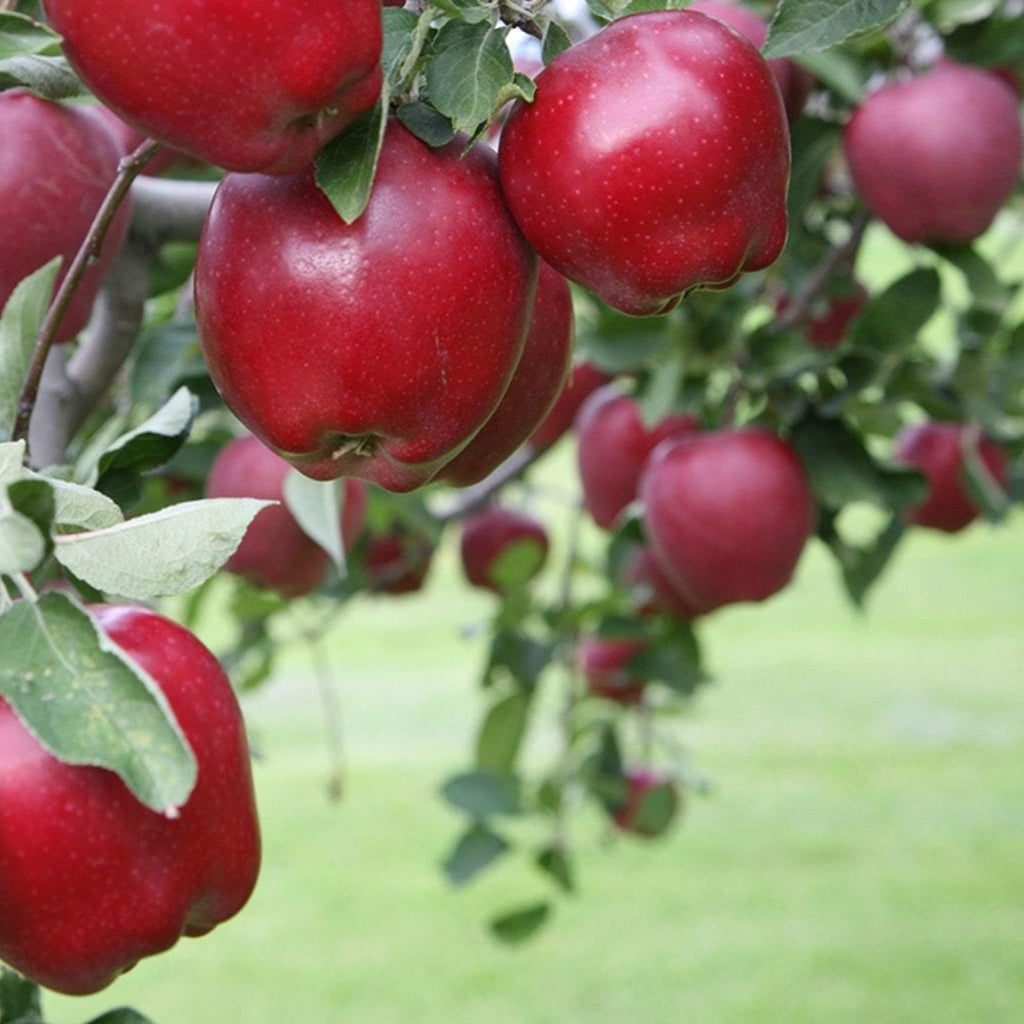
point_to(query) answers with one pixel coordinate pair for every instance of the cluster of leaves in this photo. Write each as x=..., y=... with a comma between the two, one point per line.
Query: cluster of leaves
x=21, y=1003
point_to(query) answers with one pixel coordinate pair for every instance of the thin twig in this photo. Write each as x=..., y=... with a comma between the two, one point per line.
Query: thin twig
x=88, y=253
x=473, y=498
x=331, y=706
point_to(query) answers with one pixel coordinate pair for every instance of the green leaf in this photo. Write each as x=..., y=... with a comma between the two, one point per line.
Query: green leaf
x=863, y=566
x=12, y=458
x=800, y=25
x=20, y=34
x=989, y=293
x=49, y=77
x=502, y=731
x=813, y=143
x=838, y=70
x=346, y=166
x=554, y=862
x=154, y=442
x=481, y=794
x=165, y=552
x=471, y=11
x=477, y=849
x=165, y=355
x=673, y=659
x=19, y=998
x=122, y=1015
x=517, y=564
x=984, y=489
x=77, y=507
x=556, y=40
x=891, y=321
x=34, y=499
x=317, y=506
x=19, y=325
x=399, y=29
x=522, y=657
x=840, y=470
x=88, y=703
x=22, y=546
x=519, y=925
x=468, y=68
x=426, y=123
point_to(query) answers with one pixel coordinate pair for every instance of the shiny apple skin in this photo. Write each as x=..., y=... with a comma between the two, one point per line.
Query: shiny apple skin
x=727, y=515
x=654, y=159
x=254, y=86
x=936, y=156
x=376, y=349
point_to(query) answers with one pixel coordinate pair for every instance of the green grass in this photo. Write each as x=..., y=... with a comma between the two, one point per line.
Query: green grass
x=859, y=858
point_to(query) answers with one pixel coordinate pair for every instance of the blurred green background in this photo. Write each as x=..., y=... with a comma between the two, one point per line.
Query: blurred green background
x=859, y=857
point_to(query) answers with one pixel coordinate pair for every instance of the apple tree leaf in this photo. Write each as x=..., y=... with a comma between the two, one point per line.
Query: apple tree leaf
x=481, y=794
x=22, y=545
x=800, y=25
x=476, y=850
x=520, y=925
x=77, y=507
x=346, y=166
x=502, y=731
x=88, y=703
x=317, y=506
x=12, y=457
x=20, y=999
x=155, y=441
x=469, y=68
x=890, y=322
x=556, y=40
x=49, y=77
x=122, y=1015
x=165, y=552
x=19, y=325
x=426, y=123
x=20, y=34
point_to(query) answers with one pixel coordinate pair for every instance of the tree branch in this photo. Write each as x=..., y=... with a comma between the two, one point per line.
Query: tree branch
x=87, y=254
x=473, y=498
x=169, y=210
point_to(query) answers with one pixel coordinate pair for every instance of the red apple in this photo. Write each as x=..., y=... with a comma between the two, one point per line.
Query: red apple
x=794, y=82
x=613, y=444
x=537, y=381
x=92, y=880
x=584, y=378
x=604, y=664
x=937, y=450
x=56, y=165
x=727, y=515
x=831, y=314
x=502, y=550
x=651, y=802
x=654, y=159
x=253, y=87
x=398, y=560
x=376, y=349
x=276, y=552
x=937, y=155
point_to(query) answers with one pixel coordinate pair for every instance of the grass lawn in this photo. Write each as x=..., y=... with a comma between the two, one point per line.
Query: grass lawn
x=859, y=859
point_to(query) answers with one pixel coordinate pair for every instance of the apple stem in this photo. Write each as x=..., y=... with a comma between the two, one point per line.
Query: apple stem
x=331, y=705
x=87, y=254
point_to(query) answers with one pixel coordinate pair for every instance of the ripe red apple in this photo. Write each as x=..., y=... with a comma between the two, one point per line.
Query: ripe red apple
x=376, y=349
x=654, y=159
x=604, y=664
x=794, y=82
x=650, y=804
x=937, y=450
x=502, y=550
x=276, y=552
x=91, y=880
x=831, y=314
x=398, y=560
x=56, y=165
x=652, y=589
x=254, y=87
x=612, y=445
x=584, y=378
x=537, y=381
x=727, y=514
x=937, y=155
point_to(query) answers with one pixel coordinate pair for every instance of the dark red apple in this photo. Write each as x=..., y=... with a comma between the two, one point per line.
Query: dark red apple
x=936, y=156
x=276, y=552
x=650, y=803
x=794, y=82
x=654, y=159
x=537, y=381
x=938, y=451
x=398, y=560
x=604, y=664
x=612, y=445
x=502, y=550
x=377, y=349
x=726, y=514
x=584, y=378
x=56, y=165
x=259, y=86
x=92, y=880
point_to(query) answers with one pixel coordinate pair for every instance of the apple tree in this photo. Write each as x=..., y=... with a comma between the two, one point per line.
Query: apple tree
x=292, y=291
